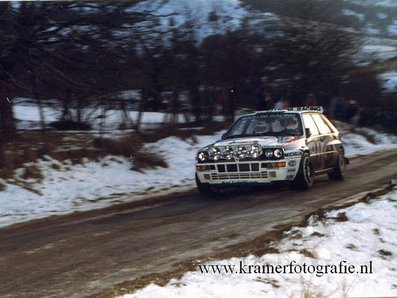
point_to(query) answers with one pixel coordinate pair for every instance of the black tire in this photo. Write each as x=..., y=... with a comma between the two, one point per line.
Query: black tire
x=340, y=170
x=305, y=177
x=205, y=188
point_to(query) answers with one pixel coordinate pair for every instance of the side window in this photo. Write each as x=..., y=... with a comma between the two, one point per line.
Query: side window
x=309, y=123
x=330, y=125
x=322, y=126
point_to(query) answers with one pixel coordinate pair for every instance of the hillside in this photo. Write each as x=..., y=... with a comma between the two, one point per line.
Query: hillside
x=374, y=21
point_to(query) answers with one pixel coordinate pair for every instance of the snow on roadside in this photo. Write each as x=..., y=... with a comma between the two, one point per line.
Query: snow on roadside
x=362, y=235
x=27, y=115
x=366, y=141
x=375, y=52
x=68, y=187
x=384, y=3
x=389, y=80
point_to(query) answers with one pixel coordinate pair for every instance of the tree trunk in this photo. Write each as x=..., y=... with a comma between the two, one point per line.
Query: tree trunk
x=230, y=102
x=125, y=116
x=102, y=124
x=7, y=122
x=141, y=110
x=66, y=115
x=195, y=93
x=36, y=95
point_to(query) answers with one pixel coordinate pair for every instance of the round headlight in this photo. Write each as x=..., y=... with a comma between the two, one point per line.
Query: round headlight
x=201, y=156
x=256, y=151
x=269, y=153
x=227, y=153
x=215, y=153
x=242, y=152
x=278, y=153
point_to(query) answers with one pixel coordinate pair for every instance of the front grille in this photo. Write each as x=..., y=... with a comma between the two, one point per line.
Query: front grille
x=233, y=168
x=236, y=176
x=246, y=171
x=242, y=171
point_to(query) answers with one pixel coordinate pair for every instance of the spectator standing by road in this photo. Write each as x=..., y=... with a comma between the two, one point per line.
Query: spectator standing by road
x=281, y=104
x=263, y=98
x=338, y=108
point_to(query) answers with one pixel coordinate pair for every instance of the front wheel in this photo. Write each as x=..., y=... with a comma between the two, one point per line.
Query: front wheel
x=305, y=177
x=340, y=170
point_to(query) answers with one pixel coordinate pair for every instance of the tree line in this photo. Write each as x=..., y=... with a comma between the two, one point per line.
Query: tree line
x=85, y=53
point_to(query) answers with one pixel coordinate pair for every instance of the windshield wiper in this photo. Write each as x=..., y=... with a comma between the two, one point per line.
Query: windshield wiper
x=290, y=133
x=235, y=136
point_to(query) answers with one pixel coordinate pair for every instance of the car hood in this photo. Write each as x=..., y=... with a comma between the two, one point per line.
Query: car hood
x=265, y=141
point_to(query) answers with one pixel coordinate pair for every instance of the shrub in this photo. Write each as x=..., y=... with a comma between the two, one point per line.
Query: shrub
x=125, y=146
x=32, y=172
x=144, y=160
x=70, y=125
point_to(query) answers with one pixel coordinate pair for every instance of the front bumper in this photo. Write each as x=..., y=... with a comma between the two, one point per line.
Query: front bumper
x=247, y=172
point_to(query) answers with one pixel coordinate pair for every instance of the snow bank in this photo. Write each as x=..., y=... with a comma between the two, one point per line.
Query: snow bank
x=389, y=81
x=366, y=141
x=68, y=187
x=28, y=117
x=362, y=235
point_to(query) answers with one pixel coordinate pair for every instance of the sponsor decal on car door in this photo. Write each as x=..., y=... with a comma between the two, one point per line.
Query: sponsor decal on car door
x=326, y=148
x=313, y=142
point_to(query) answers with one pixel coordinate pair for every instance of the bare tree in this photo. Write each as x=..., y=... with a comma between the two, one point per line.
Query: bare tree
x=230, y=61
x=312, y=58
x=66, y=45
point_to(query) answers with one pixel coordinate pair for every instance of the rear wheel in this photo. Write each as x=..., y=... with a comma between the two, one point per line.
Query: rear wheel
x=205, y=188
x=305, y=177
x=340, y=170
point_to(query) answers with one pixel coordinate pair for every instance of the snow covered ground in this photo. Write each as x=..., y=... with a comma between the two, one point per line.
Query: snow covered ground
x=28, y=117
x=362, y=235
x=383, y=3
x=68, y=187
x=314, y=261
x=389, y=81
x=366, y=141
x=376, y=49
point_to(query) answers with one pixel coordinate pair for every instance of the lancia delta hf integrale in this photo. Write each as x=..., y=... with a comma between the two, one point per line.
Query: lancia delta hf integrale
x=292, y=145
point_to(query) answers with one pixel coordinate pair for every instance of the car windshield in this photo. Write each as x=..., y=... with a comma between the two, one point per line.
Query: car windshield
x=272, y=124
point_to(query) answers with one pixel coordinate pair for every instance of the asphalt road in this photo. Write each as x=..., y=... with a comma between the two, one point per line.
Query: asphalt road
x=87, y=253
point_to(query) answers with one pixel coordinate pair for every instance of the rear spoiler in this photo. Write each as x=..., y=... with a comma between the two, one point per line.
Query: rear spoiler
x=300, y=109
x=307, y=108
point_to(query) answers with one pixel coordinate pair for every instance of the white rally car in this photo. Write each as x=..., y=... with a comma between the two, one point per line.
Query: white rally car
x=293, y=145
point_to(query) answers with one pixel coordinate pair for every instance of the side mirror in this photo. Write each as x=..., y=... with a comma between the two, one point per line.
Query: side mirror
x=223, y=135
x=308, y=132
